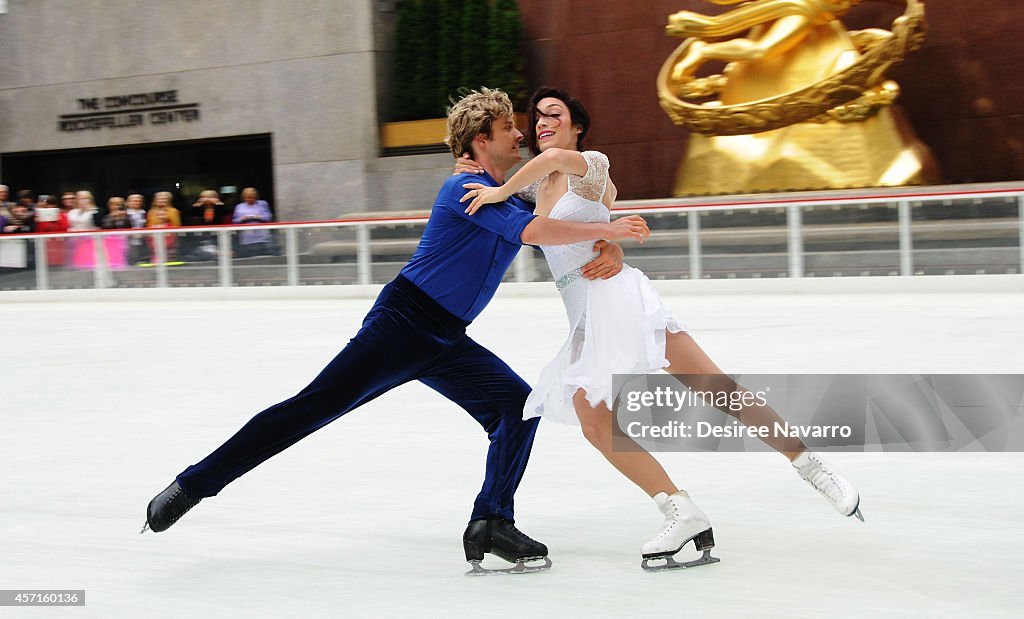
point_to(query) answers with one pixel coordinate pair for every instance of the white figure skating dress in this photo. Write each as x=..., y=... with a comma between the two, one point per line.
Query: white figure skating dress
x=616, y=326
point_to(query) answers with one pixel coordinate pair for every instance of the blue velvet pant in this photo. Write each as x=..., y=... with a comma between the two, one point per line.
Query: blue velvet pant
x=405, y=336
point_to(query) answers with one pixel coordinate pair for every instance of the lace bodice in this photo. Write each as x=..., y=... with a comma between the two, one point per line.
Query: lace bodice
x=582, y=203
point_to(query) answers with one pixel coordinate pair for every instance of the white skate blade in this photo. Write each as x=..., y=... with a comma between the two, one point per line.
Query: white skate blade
x=672, y=564
x=856, y=512
x=519, y=568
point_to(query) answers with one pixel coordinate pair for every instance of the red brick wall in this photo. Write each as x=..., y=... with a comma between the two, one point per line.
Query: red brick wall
x=964, y=91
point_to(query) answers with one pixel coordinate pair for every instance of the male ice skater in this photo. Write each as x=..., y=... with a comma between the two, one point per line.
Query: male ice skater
x=416, y=330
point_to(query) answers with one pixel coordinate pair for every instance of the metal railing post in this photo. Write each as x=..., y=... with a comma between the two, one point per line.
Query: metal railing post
x=99, y=263
x=795, y=242
x=906, y=239
x=291, y=255
x=161, y=259
x=693, y=229
x=224, y=258
x=42, y=266
x=364, y=267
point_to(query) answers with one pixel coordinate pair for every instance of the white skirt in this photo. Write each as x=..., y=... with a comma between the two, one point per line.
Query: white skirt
x=617, y=326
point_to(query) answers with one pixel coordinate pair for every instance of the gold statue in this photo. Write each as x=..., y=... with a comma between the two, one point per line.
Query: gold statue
x=802, y=104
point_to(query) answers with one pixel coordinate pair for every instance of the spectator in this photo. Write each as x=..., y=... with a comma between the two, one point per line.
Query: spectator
x=163, y=209
x=208, y=210
x=27, y=198
x=115, y=244
x=116, y=217
x=135, y=208
x=5, y=206
x=51, y=219
x=252, y=210
x=163, y=215
x=67, y=201
x=20, y=221
x=136, y=211
x=82, y=218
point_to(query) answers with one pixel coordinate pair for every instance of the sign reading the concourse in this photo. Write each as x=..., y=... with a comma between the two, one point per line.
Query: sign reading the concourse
x=131, y=110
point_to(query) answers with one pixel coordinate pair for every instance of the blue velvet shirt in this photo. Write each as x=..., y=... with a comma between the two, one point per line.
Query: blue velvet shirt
x=461, y=259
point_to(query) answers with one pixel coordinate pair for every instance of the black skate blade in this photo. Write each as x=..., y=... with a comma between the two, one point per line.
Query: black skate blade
x=145, y=528
x=519, y=568
x=672, y=564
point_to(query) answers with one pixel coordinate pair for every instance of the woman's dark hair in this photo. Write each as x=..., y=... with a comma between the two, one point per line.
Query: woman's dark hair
x=579, y=115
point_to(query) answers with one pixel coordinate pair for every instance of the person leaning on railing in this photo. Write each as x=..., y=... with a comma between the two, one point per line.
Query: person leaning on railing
x=27, y=198
x=20, y=221
x=51, y=219
x=207, y=210
x=162, y=214
x=82, y=218
x=116, y=217
x=5, y=206
x=135, y=208
x=252, y=210
x=116, y=244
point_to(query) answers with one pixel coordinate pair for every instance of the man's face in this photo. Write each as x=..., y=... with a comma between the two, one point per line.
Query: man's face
x=503, y=145
x=20, y=211
x=3, y=194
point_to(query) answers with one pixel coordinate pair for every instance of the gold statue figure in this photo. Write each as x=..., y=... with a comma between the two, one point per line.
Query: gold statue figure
x=802, y=104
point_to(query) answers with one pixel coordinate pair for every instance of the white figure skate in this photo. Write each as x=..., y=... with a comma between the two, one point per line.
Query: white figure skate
x=684, y=522
x=829, y=483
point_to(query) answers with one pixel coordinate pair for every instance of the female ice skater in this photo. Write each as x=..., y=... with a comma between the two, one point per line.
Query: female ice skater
x=619, y=325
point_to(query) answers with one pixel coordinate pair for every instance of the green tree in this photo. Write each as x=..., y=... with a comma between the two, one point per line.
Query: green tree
x=473, y=33
x=450, y=57
x=504, y=51
x=444, y=45
x=427, y=79
x=407, y=32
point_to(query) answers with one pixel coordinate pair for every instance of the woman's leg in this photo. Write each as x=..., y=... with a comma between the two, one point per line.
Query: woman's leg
x=635, y=463
x=697, y=371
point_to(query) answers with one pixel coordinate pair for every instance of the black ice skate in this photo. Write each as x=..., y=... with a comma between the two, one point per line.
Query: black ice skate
x=500, y=537
x=167, y=507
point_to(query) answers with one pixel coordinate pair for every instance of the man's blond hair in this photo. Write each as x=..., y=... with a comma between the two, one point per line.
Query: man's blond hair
x=472, y=115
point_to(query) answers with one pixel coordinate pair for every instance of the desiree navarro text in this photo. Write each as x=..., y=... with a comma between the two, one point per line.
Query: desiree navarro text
x=704, y=429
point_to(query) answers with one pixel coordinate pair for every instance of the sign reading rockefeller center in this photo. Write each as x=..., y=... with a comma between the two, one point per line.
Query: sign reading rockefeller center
x=131, y=110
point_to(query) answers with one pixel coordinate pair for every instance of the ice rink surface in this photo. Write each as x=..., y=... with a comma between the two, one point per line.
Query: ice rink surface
x=103, y=403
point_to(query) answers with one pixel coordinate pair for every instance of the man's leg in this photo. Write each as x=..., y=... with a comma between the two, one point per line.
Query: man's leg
x=384, y=354
x=481, y=383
